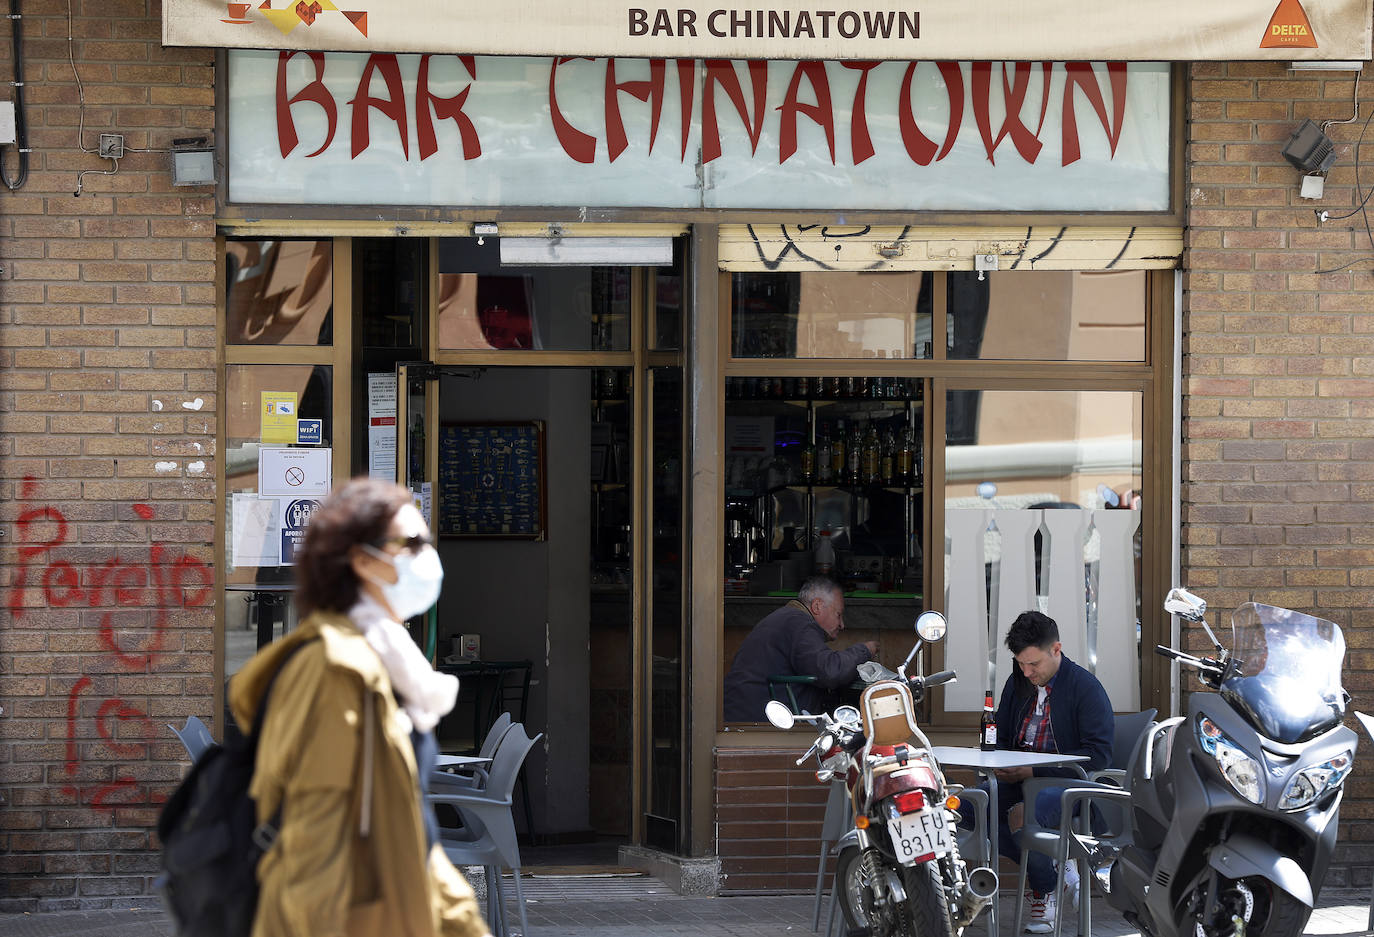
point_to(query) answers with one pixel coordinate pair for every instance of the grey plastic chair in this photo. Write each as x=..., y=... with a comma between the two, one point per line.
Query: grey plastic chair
x=838, y=820
x=487, y=836
x=1074, y=839
x=474, y=777
x=195, y=736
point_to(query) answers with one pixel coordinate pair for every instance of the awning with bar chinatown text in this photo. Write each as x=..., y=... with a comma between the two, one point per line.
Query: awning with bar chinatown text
x=929, y=30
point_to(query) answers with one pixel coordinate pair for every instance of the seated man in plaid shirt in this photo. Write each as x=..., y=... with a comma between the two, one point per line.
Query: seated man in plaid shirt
x=1049, y=704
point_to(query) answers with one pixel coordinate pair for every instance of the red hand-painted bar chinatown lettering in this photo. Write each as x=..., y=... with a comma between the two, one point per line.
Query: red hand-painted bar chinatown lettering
x=580, y=143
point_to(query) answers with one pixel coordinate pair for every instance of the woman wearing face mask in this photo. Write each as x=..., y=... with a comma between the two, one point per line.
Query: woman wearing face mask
x=349, y=733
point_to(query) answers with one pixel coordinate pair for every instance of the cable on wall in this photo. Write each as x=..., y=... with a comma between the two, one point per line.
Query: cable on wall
x=21, y=130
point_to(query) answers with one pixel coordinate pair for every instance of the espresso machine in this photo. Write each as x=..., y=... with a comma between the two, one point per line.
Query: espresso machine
x=744, y=538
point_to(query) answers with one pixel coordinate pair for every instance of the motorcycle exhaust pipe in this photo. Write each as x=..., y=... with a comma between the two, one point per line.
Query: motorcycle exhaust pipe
x=979, y=890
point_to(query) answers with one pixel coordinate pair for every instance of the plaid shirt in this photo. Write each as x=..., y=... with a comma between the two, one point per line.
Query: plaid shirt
x=1037, y=726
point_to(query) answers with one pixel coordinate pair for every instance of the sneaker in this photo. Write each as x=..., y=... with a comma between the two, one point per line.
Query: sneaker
x=1071, y=885
x=1041, y=917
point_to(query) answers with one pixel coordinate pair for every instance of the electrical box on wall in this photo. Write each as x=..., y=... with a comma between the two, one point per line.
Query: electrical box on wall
x=6, y=122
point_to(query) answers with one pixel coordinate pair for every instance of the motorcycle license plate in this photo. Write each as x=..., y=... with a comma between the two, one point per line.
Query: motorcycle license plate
x=922, y=835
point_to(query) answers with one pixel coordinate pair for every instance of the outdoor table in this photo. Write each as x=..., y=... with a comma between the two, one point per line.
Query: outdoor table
x=985, y=763
x=462, y=761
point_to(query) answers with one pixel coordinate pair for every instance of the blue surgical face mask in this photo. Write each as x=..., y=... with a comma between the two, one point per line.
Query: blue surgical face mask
x=419, y=577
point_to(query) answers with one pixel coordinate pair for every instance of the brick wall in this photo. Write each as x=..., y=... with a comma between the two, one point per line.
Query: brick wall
x=107, y=423
x=1278, y=477
x=768, y=821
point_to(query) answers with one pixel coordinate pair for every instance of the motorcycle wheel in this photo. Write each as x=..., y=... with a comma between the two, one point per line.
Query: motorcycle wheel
x=854, y=875
x=1272, y=912
x=925, y=893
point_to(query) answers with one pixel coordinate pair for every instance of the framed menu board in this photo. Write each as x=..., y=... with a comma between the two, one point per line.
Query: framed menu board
x=491, y=480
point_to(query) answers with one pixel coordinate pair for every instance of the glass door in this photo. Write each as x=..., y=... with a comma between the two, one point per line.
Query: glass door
x=416, y=407
x=662, y=542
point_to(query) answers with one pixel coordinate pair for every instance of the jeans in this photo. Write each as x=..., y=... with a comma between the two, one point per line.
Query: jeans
x=1040, y=872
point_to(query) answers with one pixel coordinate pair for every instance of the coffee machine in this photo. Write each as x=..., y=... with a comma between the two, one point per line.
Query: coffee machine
x=744, y=538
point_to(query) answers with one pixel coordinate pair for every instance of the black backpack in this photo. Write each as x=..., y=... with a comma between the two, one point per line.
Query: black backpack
x=211, y=840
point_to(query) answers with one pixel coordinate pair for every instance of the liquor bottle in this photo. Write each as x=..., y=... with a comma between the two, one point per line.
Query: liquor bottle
x=918, y=463
x=854, y=453
x=887, y=460
x=825, y=467
x=869, y=462
x=808, y=463
x=838, y=462
x=906, y=453
x=987, y=728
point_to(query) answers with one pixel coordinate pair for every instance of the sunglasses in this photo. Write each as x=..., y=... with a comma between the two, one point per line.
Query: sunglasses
x=412, y=544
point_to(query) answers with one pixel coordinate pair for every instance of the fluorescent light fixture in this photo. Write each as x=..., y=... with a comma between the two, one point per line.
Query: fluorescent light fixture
x=193, y=162
x=594, y=251
x=1315, y=66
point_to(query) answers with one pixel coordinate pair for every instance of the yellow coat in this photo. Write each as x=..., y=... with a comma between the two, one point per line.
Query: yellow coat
x=323, y=877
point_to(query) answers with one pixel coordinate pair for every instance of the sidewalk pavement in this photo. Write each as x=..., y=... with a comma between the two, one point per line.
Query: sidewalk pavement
x=593, y=906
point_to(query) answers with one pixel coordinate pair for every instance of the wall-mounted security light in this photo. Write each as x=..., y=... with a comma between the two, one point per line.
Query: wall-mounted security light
x=1325, y=66
x=193, y=162
x=1309, y=149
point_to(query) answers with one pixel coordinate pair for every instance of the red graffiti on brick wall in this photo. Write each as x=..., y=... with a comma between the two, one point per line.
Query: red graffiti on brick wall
x=159, y=582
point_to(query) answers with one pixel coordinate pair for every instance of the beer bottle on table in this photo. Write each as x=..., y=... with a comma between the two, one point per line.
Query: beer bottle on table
x=987, y=729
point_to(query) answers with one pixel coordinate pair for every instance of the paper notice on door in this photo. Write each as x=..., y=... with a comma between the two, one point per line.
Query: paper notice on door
x=254, y=540
x=279, y=417
x=294, y=473
x=381, y=425
x=426, y=504
x=292, y=517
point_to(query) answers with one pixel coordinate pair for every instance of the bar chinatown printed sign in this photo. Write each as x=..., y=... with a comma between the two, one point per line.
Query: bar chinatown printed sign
x=466, y=131
x=931, y=30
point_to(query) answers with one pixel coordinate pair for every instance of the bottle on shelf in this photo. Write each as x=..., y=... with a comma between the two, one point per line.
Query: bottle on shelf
x=825, y=555
x=853, y=455
x=825, y=467
x=887, y=458
x=918, y=465
x=869, y=461
x=906, y=457
x=838, y=462
x=987, y=727
x=808, y=463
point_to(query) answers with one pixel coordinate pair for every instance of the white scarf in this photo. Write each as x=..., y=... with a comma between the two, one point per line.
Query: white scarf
x=426, y=695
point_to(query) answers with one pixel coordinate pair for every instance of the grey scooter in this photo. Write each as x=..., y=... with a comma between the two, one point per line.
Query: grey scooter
x=1231, y=809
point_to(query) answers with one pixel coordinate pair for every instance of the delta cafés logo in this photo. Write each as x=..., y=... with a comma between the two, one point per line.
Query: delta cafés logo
x=1289, y=28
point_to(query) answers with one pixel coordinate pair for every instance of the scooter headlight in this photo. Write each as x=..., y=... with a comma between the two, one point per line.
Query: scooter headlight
x=1311, y=783
x=1238, y=767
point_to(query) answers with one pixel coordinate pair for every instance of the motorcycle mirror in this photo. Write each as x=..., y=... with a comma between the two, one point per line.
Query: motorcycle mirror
x=1184, y=603
x=931, y=626
x=779, y=714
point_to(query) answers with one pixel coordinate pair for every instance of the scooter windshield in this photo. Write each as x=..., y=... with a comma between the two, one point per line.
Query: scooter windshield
x=1289, y=682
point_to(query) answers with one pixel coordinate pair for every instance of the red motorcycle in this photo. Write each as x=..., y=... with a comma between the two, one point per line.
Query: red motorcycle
x=899, y=872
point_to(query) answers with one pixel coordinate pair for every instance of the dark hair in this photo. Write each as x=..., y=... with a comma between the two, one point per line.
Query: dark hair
x=1031, y=629
x=359, y=512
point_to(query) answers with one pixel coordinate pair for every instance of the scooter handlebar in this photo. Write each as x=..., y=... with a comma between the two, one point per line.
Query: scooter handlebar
x=944, y=676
